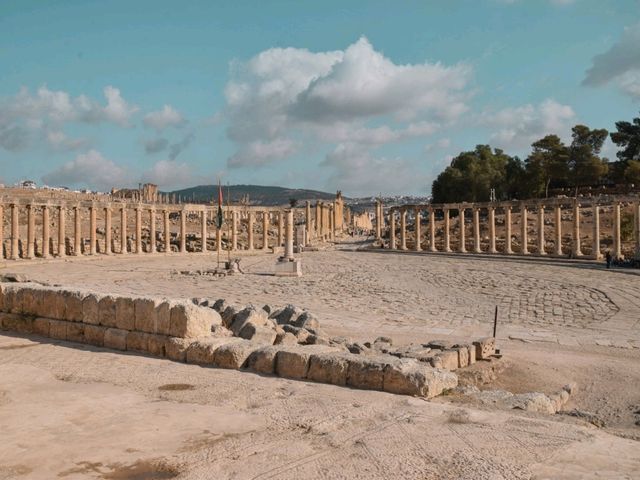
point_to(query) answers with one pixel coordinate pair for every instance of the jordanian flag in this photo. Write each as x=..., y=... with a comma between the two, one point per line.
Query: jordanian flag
x=220, y=217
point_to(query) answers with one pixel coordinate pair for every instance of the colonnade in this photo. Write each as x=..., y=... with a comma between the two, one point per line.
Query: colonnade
x=323, y=220
x=54, y=241
x=550, y=211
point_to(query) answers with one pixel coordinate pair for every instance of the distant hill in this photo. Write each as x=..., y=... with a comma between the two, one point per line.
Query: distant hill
x=258, y=194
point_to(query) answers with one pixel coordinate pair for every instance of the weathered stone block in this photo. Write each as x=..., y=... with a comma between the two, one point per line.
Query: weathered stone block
x=53, y=302
x=157, y=345
x=163, y=317
x=115, y=338
x=472, y=354
x=285, y=338
x=248, y=315
x=58, y=329
x=485, y=347
x=73, y=302
x=411, y=377
x=258, y=334
x=440, y=344
x=75, y=331
x=90, y=314
x=94, y=335
x=229, y=314
x=191, y=321
x=16, y=322
x=286, y=315
x=41, y=326
x=328, y=368
x=202, y=351
x=138, y=341
x=293, y=362
x=233, y=354
x=176, y=348
x=2, y=288
x=125, y=313
x=448, y=359
x=25, y=302
x=307, y=320
x=146, y=318
x=263, y=360
x=107, y=311
x=366, y=372
x=463, y=356
x=10, y=294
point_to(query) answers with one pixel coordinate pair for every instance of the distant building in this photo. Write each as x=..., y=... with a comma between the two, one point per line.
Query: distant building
x=144, y=193
x=28, y=184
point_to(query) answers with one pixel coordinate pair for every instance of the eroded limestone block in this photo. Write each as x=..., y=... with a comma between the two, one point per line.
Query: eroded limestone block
x=75, y=331
x=248, y=315
x=306, y=320
x=115, y=338
x=94, y=335
x=16, y=322
x=191, y=321
x=73, y=304
x=25, y=301
x=366, y=372
x=163, y=317
x=286, y=315
x=293, y=362
x=90, y=313
x=485, y=347
x=233, y=354
x=411, y=377
x=53, y=302
x=125, y=313
x=285, y=338
x=472, y=354
x=107, y=311
x=439, y=344
x=58, y=329
x=10, y=299
x=138, y=341
x=146, y=317
x=157, y=345
x=176, y=348
x=448, y=359
x=202, y=351
x=229, y=314
x=258, y=334
x=41, y=326
x=463, y=356
x=301, y=334
x=328, y=368
x=263, y=360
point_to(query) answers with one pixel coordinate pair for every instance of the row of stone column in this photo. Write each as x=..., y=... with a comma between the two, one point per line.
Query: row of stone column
x=137, y=247
x=322, y=224
x=576, y=250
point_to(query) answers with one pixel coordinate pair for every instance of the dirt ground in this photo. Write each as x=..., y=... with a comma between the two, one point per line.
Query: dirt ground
x=73, y=411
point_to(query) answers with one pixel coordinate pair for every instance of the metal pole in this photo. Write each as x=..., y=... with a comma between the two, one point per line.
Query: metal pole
x=495, y=322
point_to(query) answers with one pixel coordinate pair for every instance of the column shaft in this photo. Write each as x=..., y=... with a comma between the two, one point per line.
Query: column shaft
x=558, y=230
x=45, y=232
x=524, y=234
x=507, y=231
x=92, y=232
x=541, y=239
x=265, y=230
x=577, y=251
x=250, y=231
x=152, y=230
x=595, y=244
x=378, y=220
x=447, y=222
x=432, y=230
x=203, y=230
x=463, y=238
x=15, y=212
x=123, y=230
x=234, y=230
x=167, y=231
x=288, y=246
x=307, y=221
x=77, y=231
x=62, y=247
x=392, y=229
x=107, y=230
x=31, y=231
x=492, y=230
x=183, y=231
x=403, y=230
x=476, y=231
x=281, y=221
x=138, y=230
x=617, y=244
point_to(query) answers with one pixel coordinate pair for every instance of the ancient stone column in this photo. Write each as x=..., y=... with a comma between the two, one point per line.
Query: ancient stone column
x=392, y=229
x=45, y=232
x=92, y=232
x=281, y=221
x=31, y=231
x=378, y=220
x=595, y=244
x=403, y=229
x=332, y=221
x=576, y=250
x=417, y=230
x=335, y=220
x=250, y=231
x=492, y=230
x=152, y=230
x=62, y=251
x=476, y=230
x=524, y=234
x=318, y=221
x=265, y=230
x=167, y=231
x=307, y=222
x=558, y=229
x=123, y=229
x=541, y=239
x=203, y=230
x=77, y=231
x=288, y=245
x=138, y=229
x=447, y=221
x=432, y=230
x=507, y=230
x=183, y=231
x=234, y=230
x=107, y=230
x=463, y=240
x=617, y=244
x=15, y=250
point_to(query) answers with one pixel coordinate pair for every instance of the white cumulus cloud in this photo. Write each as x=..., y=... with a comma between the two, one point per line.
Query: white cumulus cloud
x=169, y=174
x=167, y=117
x=91, y=170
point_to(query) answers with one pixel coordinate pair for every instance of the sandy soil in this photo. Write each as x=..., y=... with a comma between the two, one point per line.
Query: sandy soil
x=93, y=413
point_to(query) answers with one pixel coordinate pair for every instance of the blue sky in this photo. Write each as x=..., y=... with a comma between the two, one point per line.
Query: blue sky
x=368, y=97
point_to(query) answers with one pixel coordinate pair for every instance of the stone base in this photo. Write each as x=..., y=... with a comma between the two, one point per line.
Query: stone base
x=288, y=268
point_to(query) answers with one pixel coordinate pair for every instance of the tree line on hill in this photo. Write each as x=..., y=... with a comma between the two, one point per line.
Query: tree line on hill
x=551, y=165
